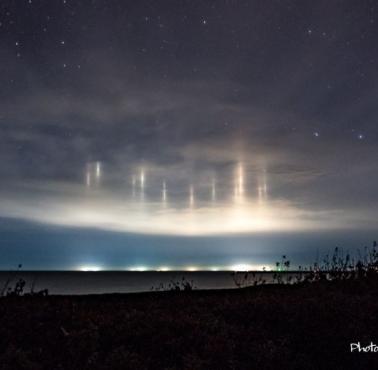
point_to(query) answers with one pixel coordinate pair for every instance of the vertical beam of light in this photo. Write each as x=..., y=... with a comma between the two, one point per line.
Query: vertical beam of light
x=191, y=196
x=241, y=180
x=88, y=179
x=213, y=191
x=262, y=188
x=164, y=193
x=236, y=192
x=260, y=193
x=142, y=183
x=239, y=183
x=142, y=179
x=265, y=186
x=98, y=171
x=133, y=184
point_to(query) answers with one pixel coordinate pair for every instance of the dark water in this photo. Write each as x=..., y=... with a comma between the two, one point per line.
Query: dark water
x=58, y=282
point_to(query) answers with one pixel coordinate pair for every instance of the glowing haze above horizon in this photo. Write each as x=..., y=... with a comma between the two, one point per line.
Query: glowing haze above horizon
x=185, y=134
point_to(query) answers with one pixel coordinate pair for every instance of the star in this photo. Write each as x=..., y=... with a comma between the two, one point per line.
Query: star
x=361, y=136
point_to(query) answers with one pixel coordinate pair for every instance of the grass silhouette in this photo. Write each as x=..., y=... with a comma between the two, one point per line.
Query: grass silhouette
x=307, y=322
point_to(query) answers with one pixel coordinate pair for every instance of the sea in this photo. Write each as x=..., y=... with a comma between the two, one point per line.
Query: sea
x=103, y=282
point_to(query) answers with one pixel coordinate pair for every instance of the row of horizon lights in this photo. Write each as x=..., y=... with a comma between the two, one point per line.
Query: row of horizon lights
x=238, y=267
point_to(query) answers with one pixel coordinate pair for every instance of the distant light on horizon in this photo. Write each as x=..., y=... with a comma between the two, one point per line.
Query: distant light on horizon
x=139, y=268
x=90, y=268
x=192, y=268
x=164, y=268
x=242, y=267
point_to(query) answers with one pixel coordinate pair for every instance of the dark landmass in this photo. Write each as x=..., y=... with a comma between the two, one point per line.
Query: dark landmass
x=305, y=326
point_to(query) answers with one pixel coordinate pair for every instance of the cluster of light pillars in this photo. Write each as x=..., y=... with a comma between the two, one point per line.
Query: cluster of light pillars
x=138, y=185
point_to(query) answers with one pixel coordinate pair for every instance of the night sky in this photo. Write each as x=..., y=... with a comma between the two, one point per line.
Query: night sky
x=186, y=133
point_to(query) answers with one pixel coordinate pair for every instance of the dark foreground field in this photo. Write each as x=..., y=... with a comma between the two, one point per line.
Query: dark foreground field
x=266, y=327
